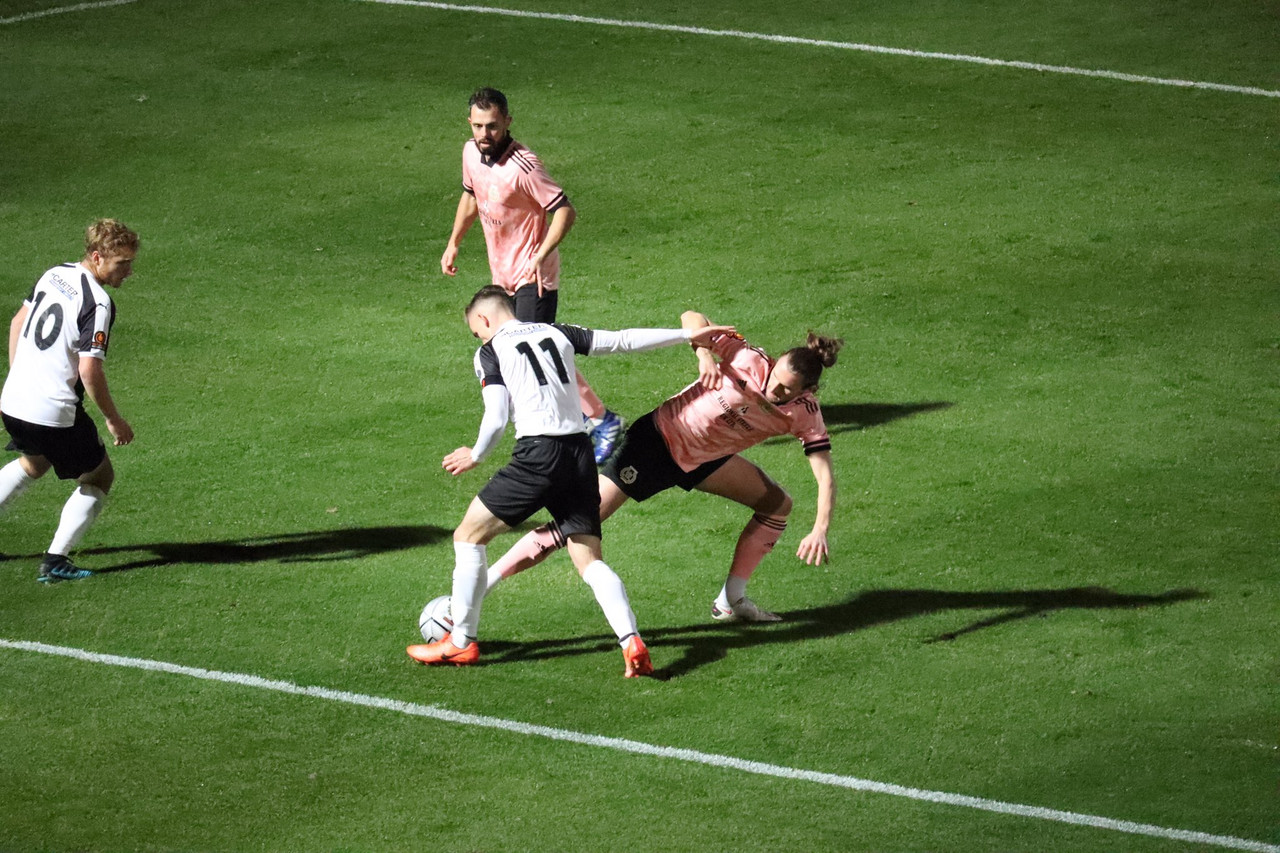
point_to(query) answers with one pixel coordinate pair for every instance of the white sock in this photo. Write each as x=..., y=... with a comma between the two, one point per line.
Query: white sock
x=78, y=513
x=734, y=590
x=469, y=570
x=611, y=595
x=13, y=482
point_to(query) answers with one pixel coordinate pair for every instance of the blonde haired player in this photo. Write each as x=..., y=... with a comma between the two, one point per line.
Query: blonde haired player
x=57, y=345
x=526, y=373
x=692, y=440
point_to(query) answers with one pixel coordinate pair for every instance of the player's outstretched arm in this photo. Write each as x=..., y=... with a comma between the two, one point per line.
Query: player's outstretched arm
x=638, y=340
x=813, y=548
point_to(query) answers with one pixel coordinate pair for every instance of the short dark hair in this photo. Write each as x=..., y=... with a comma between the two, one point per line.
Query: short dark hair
x=486, y=99
x=490, y=293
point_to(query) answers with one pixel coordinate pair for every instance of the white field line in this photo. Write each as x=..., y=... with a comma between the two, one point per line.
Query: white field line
x=839, y=45
x=724, y=762
x=79, y=7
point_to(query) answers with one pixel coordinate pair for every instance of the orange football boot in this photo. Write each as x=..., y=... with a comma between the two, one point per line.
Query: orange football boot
x=444, y=651
x=637, y=658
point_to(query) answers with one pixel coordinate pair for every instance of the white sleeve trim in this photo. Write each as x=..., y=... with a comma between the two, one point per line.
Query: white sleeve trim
x=635, y=340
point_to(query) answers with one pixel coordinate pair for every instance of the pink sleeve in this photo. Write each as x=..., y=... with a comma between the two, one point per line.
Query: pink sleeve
x=726, y=345
x=810, y=427
x=539, y=186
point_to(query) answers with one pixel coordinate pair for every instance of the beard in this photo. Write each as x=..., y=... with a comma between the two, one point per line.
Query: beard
x=488, y=146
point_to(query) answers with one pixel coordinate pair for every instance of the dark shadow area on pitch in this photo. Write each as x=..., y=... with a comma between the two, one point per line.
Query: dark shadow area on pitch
x=847, y=417
x=314, y=547
x=699, y=645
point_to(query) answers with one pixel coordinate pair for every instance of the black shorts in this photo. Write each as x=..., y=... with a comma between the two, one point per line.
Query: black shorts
x=555, y=472
x=73, y=450
x=532, y=308
x=642, y=465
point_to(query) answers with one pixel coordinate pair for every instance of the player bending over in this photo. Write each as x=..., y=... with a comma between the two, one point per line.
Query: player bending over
x=527, y=375
x=692, y=440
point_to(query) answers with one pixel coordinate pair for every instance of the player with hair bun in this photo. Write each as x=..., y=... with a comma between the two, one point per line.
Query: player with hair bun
x=693, y=440
x=526, y=373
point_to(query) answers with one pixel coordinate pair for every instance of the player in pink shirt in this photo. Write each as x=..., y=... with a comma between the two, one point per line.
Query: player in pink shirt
x=506, y=187
x=693, y=441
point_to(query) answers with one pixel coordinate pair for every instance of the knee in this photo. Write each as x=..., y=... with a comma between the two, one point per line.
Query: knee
x=468, y=536
x=35, y=468
x=101, y=477
x=776, y=501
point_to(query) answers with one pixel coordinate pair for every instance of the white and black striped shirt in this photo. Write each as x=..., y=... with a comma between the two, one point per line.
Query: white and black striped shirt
x=69, y=317
x=534, y=363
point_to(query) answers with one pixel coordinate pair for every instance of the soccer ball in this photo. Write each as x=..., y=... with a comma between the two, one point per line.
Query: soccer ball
x=435, y=621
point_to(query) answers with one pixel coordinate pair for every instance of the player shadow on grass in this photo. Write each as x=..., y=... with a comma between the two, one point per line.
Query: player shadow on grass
x=846, y=417
x=699, y=645
x=314, y=547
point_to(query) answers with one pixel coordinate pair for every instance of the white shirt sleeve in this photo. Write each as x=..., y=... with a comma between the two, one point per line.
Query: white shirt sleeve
x=635, y=340
x=497, y=409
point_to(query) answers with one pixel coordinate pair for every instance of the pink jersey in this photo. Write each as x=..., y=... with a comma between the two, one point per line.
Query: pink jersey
x=514, y=194
x=700, y=425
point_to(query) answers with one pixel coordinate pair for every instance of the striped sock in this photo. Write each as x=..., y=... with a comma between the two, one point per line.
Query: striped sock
x=757, y=540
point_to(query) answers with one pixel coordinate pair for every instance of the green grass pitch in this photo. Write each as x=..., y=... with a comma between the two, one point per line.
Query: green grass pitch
x=1054, y=559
